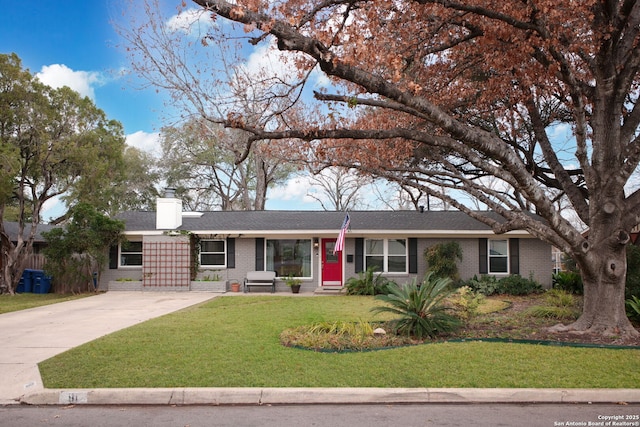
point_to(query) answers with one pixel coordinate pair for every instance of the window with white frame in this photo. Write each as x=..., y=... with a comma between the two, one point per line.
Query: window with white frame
x=498, y=256
x=386, y=255
x=131, y=254
x=289, y=257
x=213, y=253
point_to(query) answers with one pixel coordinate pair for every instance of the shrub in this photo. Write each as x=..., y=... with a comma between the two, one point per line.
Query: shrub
x=422, y=308
x=633, y=308
x=559, y=298
x=465, y=302
x=518, y=285
x=367, y=283
x=569, y=281
x=550, y=312
x=342, y=336
x=74, y=253
x=559, y=305
x=486, y=285
x=633, y=271
x=512, y=285
x=441, y=259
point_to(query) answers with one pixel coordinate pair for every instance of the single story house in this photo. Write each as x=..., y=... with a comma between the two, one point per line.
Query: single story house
x=36, y=260
x=167, y=248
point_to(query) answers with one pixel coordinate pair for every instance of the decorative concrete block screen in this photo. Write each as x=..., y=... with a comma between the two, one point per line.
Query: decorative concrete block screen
x=166, y=263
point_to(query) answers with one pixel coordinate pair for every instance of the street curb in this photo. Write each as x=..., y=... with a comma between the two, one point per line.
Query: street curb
x=326, y=396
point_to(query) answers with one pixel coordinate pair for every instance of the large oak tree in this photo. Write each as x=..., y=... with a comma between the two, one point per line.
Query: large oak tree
x=453, y=92
x=53, y=142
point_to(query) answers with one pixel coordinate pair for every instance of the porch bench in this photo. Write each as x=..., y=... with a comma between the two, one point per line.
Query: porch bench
x=260, y=278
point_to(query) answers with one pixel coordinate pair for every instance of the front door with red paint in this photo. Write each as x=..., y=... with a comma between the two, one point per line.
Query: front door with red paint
x=331, y=264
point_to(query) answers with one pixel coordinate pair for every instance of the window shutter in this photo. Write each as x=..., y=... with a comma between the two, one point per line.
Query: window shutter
x=231, y=252
x=113, y=257
x=514, y=256
x=413, y=255
x=260, y=254
x=483, y=258
x=359, y=259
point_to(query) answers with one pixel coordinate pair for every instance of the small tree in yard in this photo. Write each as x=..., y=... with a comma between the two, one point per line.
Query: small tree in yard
x=449, y=95
x=79, y=250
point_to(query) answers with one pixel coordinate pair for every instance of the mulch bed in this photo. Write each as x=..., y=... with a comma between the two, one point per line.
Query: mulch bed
x=513, y=323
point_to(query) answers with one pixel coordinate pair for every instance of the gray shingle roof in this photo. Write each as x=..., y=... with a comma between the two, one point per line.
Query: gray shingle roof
x=11, y=228
x=273, y=221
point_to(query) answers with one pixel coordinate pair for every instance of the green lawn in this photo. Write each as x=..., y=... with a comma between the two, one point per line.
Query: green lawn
x=18, y=302
x=234, y=342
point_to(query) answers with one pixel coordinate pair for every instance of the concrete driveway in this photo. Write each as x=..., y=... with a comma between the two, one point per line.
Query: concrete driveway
x=31, y=336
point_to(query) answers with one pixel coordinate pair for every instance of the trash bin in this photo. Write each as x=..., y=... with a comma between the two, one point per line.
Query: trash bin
x=45, y=285
x=20, y=287
x=41, y=283
x=27, y=279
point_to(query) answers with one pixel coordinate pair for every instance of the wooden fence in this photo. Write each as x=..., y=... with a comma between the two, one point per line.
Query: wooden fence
x=35, y=262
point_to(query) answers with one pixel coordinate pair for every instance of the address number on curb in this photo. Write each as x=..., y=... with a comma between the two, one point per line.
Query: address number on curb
x=71, y=397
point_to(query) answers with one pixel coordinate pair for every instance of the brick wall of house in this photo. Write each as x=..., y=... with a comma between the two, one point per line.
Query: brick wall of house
x=245, y=259
x=535, y=259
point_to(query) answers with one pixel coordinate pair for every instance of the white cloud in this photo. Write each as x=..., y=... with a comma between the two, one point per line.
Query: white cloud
x=561, y=132
x=59, y=75
x=294, y=189
x=149, y=142
x=53, y=208
x=267, y=60
x=192, y=22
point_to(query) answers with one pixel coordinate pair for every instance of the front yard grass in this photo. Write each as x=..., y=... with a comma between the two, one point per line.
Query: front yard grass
x=234, y=342
x=9, y=303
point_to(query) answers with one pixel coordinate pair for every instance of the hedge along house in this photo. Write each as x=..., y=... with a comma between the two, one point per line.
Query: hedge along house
x=169, y=248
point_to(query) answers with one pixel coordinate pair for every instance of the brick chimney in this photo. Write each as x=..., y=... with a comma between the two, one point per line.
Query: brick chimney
x=168, y=211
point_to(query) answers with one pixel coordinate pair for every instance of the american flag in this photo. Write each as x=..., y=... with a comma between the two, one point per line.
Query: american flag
x=343, y=230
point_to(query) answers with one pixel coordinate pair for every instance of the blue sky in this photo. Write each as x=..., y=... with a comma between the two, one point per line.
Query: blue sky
x=73, y=43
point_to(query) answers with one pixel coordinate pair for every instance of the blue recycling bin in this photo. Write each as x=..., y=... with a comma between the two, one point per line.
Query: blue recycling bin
x=27, y=280
x=41, y=282
x=20, y=287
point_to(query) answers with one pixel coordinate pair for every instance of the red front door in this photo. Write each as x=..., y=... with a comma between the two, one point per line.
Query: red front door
x=331, y=264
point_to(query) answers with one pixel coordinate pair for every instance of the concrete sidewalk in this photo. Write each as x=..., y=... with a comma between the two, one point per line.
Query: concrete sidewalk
x=30, y=336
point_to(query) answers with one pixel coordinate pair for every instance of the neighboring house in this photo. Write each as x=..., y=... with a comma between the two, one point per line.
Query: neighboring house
x=160, y=249
x=36, y=260
x=557, y=258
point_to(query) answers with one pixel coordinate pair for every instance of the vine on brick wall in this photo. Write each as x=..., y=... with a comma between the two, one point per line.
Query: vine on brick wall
x=195, y=255
x=194, y=249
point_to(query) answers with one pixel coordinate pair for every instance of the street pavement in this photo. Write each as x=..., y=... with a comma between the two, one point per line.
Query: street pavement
x=31, y=336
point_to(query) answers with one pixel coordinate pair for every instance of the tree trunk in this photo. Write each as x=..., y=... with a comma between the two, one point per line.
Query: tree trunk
x=11, y=269
x=261, y=184
x=604, y=275
x=7, y=262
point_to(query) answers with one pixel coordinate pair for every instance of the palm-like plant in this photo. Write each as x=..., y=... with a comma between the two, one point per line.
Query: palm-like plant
x=369, y=282
x=422, y=309
x=633, y=308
